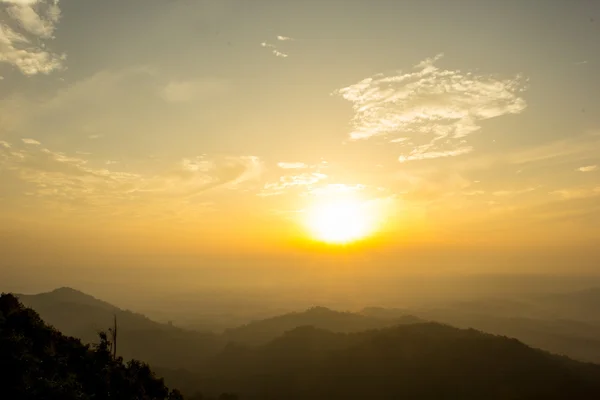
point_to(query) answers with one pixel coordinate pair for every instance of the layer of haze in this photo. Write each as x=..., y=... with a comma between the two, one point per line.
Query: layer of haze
x=178, y=144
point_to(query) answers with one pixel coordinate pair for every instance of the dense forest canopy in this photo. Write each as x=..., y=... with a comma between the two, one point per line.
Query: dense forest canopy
x=38, y=362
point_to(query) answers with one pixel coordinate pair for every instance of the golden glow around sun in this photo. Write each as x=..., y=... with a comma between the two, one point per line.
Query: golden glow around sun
x=339, y=221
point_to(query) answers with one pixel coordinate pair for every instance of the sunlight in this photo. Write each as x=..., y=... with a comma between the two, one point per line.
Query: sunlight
x=340, y=221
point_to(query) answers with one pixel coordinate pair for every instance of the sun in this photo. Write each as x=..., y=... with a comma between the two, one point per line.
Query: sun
x=339, y=221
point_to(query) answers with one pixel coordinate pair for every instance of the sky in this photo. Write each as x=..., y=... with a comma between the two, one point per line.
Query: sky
x=172, y=132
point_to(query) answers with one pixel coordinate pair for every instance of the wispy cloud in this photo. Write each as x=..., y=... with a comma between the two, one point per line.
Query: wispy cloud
x=278, y=53
x=435, y=154
x=31, y=141
x=336, y=188
x=588, y=168
x=284, y=38
x=65, y=180
x=95, y=136
x=506, y=193
x=572, y=148
x=290, y=181
x=37, y=19
x=267, y=45
x=436, y=109
x=292, y=165
x=183, y=91
x=274, y=50
x=578, y=193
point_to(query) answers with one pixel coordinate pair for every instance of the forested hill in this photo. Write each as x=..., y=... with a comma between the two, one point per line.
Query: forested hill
x=415, y=361
x=263, y=331
x=40, y=363
x=80, y=315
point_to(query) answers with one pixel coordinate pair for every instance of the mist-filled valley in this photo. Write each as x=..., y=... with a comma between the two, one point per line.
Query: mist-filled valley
x=462, y=346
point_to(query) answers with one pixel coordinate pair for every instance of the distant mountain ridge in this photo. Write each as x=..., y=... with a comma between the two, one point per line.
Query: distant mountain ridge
x=319, y=354
x=263, y=331
x=65, y=295
x=414, y=361
x=80, y=315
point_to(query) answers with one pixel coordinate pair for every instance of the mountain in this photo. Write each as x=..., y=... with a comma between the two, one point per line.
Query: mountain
x=581, y=305
x=79, y=315
x=562, y=323
x=416, y=361
x=315, y=354
x=260, y=332
x=396, y=314
x=38, y=362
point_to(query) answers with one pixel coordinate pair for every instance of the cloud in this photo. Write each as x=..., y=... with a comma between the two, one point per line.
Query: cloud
x=292, y=165
x=290, y=181
x=431, y=185
x=37, y=19
x=67, y=181
x=37, y=25
x=184, y=91
x=572, y=148
x=279, y=54
x=274, y=50
x=31, y=141
x=588, y=168
x=95, y=136
x=436, y=109
x=336, y=188
x=507, y=193
x=435, y=154
x=284, y=38
x=577, y=193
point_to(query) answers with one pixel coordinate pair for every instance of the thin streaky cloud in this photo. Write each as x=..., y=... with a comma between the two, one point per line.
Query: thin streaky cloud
x=279, y=54
x=68, y=180
x=292, y=165
x=274, y=50
x=577, y=193
x=287, y=182
x=284, y=38
x=185, y=91
x=588, y=168
x=417, y=155
x=31, y=141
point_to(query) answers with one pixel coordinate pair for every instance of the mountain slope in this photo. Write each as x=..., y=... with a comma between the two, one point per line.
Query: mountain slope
x=38, y=362
x=82, y=316
x=261, y=332
x=418, y=361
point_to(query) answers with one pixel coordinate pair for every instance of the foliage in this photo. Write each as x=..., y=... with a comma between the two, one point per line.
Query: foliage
x=38, y=362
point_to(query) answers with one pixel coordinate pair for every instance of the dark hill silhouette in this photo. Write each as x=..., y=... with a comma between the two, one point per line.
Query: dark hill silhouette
x=80, y=315
x=38, y=362
x=324, y=354
x=260, y=332
x=417, y=361
x=64, y=295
